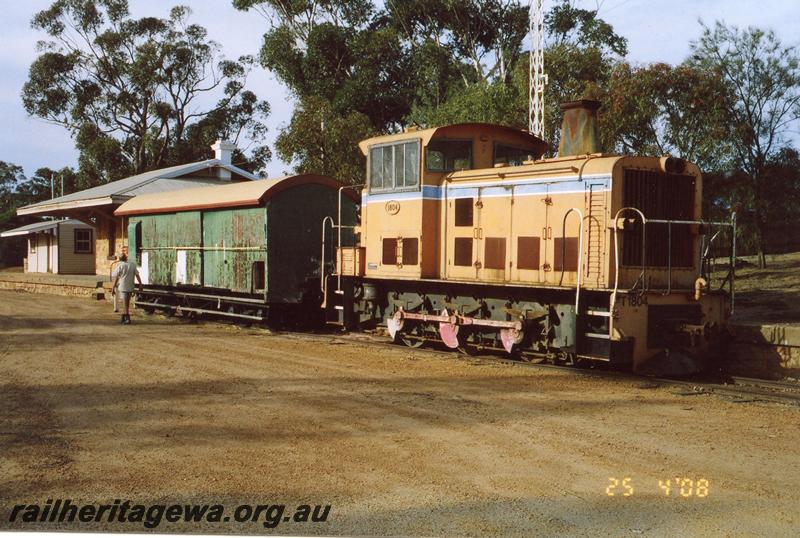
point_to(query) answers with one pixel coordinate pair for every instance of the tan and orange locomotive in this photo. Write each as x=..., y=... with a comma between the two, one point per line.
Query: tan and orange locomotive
x=469, y=237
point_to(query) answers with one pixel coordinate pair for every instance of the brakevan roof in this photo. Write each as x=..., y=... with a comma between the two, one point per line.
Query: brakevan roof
x=427, y=134
x=116, y=192
x=38, y=227
x=248, y=193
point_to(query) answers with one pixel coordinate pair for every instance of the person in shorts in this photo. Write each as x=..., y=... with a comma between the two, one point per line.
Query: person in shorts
x=124, y=276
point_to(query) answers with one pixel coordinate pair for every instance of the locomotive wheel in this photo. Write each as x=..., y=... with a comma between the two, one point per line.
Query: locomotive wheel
x=466, y=345
x=414, y=337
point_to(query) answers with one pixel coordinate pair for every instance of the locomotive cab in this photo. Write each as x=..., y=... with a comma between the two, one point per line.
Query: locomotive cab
x=407, y=176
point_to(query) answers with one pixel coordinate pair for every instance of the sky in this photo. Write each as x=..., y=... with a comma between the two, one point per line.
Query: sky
x=657, y=31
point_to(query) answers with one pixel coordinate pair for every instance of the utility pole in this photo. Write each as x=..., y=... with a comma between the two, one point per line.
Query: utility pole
x=52, y=186
x=62, y=183
x=537, y=79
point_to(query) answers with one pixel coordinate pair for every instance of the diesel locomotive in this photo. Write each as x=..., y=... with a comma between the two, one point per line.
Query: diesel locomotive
x=470, y=238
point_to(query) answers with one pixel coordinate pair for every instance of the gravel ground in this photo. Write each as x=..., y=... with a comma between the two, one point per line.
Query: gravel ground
x=397, y=441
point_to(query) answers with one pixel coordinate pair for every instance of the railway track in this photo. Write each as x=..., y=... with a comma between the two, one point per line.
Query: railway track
x=739, y=389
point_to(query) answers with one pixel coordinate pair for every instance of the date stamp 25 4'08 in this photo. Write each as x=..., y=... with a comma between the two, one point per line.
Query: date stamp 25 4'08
x=687, y=488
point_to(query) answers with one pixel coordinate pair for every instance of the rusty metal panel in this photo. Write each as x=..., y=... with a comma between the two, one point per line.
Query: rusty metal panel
x=234, y=240
x=162, y=237
x=462, y=252
x=464, y=211
x=528, y=252
x=495, y=253
x=566, y=254
x=186, y=234
x=389, y=251
x=410, y=251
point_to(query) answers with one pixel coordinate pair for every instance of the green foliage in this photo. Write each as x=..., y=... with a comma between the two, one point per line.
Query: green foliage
x=484, y=102
x=128, y=89
x=347, y=68
x=322, y=141
x=763, y=78
x=11, y=176
x=659, y=109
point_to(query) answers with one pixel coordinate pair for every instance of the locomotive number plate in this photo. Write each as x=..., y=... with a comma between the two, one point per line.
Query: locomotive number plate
x=393, y=207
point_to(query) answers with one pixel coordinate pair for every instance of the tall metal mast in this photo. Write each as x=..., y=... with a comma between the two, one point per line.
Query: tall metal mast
x=537, y=79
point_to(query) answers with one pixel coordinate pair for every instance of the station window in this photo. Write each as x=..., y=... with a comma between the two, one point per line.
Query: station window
x=448, y=155
x=528, y=252
x=510, y=155
x=83, y=241
x=464, y=212
x=394, y=167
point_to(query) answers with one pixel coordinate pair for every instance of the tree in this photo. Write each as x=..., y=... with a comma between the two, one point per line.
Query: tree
x=347, y=69
x=763, y=76
x=129, y=89
x=659, y=109
x=321, y=141
x=11, y=176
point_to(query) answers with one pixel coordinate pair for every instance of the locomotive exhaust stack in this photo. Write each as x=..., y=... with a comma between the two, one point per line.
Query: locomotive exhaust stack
x=579, y=132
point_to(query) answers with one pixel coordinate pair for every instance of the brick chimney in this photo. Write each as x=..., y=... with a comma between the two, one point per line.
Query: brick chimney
x=223, y=151
x=579, y=135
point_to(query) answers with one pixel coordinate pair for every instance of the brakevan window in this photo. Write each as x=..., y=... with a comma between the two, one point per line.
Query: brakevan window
x=83, y=241
x=394, y=167
x=510, y=155
x=448, y=155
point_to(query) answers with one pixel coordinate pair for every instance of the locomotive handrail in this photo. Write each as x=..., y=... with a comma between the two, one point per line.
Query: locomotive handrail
x=730, y=278
x=616, y=262
x=580, y=254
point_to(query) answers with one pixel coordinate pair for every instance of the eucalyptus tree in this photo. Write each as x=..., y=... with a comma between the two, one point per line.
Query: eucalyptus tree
x=129, y=89
x=763, y=77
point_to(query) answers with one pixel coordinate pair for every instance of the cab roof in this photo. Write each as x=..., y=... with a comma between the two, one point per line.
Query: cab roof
x=521, y=137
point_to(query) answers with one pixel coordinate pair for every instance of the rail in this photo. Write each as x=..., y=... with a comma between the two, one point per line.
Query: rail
x=580, y=255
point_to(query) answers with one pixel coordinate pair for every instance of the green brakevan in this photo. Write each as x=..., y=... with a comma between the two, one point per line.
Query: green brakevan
x=241, y=250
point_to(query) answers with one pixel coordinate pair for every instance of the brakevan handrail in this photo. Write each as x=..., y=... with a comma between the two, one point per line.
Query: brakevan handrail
x=580, y=254
x=322, y=257
x=339, y=228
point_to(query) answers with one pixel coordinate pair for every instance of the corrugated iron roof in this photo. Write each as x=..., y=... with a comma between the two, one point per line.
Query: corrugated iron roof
x=161, y=180
x=37, y=227
x=248, y=193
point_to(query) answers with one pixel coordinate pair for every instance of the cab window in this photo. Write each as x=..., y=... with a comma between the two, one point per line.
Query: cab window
x=510, y=155
x=394, y=167
x=448, y=155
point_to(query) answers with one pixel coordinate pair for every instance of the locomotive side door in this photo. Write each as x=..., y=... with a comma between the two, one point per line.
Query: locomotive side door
x=494, y=207
x=462, y=228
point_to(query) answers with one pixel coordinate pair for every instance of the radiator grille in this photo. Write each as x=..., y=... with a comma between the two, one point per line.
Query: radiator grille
x=659, y=196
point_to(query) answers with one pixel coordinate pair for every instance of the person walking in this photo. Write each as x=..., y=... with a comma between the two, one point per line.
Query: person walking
x=124, y=276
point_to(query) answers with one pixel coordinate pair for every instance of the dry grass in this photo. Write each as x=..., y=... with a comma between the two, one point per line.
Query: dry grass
x=770, y=295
